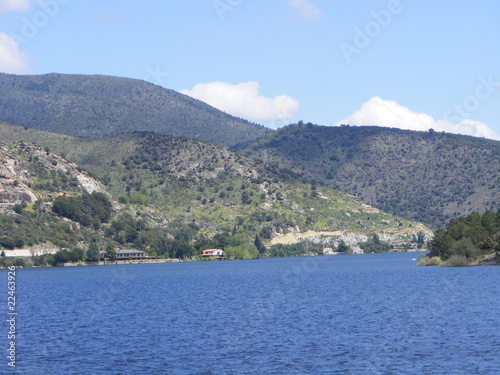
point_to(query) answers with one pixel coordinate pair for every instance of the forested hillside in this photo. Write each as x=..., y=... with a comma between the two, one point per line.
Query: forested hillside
x=101, y=106
x=428, y=176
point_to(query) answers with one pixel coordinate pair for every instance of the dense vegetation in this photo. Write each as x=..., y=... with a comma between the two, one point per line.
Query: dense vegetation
x=426, y=176
x=32, y=228
x=467, y=238
x=87, y=209
x=375, y=245
x=102, y=106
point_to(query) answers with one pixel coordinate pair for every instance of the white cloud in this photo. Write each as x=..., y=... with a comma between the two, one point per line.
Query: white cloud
x=13, y=5
x=306, y=9
x=243, y=100
x=12, y=59
x=389, y=113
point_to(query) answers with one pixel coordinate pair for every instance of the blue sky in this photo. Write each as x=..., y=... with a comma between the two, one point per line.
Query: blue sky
x=412, y=64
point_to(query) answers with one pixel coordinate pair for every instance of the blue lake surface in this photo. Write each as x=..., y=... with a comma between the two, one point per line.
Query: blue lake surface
x=358, y=314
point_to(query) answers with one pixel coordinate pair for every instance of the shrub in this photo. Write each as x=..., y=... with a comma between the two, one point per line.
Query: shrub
x=424, y=260
x=456, y=261
x=7, y=242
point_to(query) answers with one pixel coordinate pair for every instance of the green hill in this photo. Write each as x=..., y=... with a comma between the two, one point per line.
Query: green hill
x=426, y=176
x=96, y=106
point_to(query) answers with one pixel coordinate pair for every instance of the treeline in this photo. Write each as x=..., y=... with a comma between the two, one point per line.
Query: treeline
x=296, y=249
x=467, y=238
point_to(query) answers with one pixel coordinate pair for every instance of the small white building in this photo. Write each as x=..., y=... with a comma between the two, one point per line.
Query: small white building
x=213, y=253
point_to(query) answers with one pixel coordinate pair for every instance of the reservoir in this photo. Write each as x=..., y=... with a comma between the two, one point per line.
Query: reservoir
x=353, y=314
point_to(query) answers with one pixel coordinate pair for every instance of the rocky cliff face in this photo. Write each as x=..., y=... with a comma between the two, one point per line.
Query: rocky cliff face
x=29, y=173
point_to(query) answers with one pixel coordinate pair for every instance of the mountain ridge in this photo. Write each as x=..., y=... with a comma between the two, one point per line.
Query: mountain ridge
x=97, y=106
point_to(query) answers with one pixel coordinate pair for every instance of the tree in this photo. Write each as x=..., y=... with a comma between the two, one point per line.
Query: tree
x=111, y=252
x=18, y=208
x=245, y=198
x=7, y=242
x=76, y=255
x=465, y=247
x=93, y=252
x=488, y=221
x=61, y=257
x=420, y=239
x=343, y=248
x=440, y=244
x=182, y=249
x=259, y=245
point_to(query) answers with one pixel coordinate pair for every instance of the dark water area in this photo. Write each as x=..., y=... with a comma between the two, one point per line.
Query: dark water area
x=358, y=314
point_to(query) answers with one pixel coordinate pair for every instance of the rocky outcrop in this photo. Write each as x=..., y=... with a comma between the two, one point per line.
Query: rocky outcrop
x=333, y=238
x=12, y=184
x=29, y=173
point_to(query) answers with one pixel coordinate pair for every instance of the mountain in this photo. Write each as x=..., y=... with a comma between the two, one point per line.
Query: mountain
x=426, y=176
x=176, y=182
x=97, y=106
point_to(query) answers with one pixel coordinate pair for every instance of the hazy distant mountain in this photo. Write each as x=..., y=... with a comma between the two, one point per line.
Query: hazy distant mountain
x=98, y=106
x=427, y=176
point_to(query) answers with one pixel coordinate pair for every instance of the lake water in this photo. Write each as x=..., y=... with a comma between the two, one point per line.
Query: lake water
x=358, y=314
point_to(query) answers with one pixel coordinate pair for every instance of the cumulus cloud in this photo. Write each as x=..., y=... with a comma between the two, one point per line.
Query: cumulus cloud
x=13, y=5
x=306, y=9
x=12, y=59
x=243, y=100
x=389, y=113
